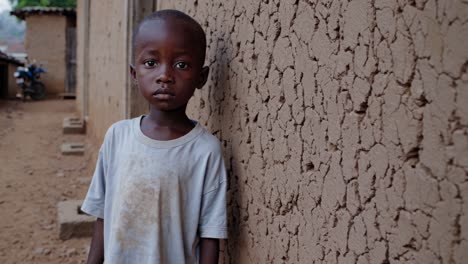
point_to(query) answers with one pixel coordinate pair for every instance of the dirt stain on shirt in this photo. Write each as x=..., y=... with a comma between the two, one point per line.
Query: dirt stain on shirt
x=143, y=204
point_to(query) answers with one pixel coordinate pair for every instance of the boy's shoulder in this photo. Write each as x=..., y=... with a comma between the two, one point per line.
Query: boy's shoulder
x=119, y=128
x=122, y=124
x=208, y=142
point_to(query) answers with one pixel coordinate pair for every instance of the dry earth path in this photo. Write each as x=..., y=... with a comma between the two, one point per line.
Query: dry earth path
x=34, y=177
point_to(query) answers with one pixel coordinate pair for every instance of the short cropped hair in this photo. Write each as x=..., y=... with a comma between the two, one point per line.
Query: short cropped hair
x=171, y=13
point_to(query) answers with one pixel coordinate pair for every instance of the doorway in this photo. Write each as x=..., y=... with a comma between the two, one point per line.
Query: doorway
x=3, y=81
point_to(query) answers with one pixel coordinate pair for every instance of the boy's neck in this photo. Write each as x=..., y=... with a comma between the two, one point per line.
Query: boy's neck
x=162, y=125
x=168, y=118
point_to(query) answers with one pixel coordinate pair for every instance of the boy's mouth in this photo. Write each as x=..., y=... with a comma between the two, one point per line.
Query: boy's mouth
x=163, y=94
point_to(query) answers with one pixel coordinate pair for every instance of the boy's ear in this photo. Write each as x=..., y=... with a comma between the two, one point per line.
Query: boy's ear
x=133, y=74
x=203, y=76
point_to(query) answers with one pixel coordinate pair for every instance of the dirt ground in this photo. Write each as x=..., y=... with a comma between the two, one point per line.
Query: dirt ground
x=34, y=177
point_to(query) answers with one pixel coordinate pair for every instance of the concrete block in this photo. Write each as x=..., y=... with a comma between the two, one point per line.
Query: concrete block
x=73, y=149
x=72, y=221
x=84, y=180
x=73, y=125
x=67, y=95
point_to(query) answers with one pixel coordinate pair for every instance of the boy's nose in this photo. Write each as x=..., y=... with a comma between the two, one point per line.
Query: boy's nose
x=165, y=75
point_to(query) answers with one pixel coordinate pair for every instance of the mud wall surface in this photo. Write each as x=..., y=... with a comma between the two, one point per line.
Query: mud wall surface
x=345, y=127
x=12, y=86
x=45, y=42
x=102, y=65
x=81, y=38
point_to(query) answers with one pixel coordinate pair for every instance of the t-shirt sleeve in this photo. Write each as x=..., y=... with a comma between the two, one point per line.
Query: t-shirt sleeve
x=213, y=222
x=94, y=201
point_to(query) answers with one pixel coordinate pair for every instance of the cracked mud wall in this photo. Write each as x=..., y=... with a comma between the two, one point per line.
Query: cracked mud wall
x=344, y=125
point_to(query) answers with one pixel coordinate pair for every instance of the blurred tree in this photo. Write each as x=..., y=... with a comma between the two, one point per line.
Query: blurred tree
x=44, y=3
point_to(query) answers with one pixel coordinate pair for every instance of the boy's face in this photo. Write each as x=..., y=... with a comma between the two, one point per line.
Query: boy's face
x=168, y=64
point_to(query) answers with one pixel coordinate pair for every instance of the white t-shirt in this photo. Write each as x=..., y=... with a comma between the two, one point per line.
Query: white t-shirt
x=157, y=198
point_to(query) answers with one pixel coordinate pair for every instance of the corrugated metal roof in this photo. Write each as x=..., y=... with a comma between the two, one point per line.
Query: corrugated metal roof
x=5, y=57
x=37, y=10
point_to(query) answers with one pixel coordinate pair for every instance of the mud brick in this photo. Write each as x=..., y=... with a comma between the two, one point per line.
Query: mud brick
x=72, y=221
x=73, y=149
x=73, y=125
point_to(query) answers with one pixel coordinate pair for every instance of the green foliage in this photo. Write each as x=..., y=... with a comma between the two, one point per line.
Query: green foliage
x=43, y=3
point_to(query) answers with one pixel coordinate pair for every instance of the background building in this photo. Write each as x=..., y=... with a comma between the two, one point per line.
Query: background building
x=8, y=86
x=51, y=40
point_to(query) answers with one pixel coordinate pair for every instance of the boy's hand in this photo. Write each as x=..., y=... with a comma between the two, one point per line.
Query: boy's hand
x=209, y=251
x=96, y=251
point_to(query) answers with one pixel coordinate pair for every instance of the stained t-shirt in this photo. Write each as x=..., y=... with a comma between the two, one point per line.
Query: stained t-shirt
x=157, y=198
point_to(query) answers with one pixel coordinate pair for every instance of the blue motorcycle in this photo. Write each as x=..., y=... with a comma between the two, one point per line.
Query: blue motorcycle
x=28, y=80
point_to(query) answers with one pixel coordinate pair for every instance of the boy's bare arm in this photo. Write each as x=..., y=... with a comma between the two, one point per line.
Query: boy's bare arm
x=209, y=251
x=96, y=251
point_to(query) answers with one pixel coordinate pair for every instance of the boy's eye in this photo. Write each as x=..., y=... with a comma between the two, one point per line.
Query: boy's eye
x=150, y=63
x=181, y=65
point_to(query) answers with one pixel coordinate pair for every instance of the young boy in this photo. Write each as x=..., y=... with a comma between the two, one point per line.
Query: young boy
x=160, y=182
